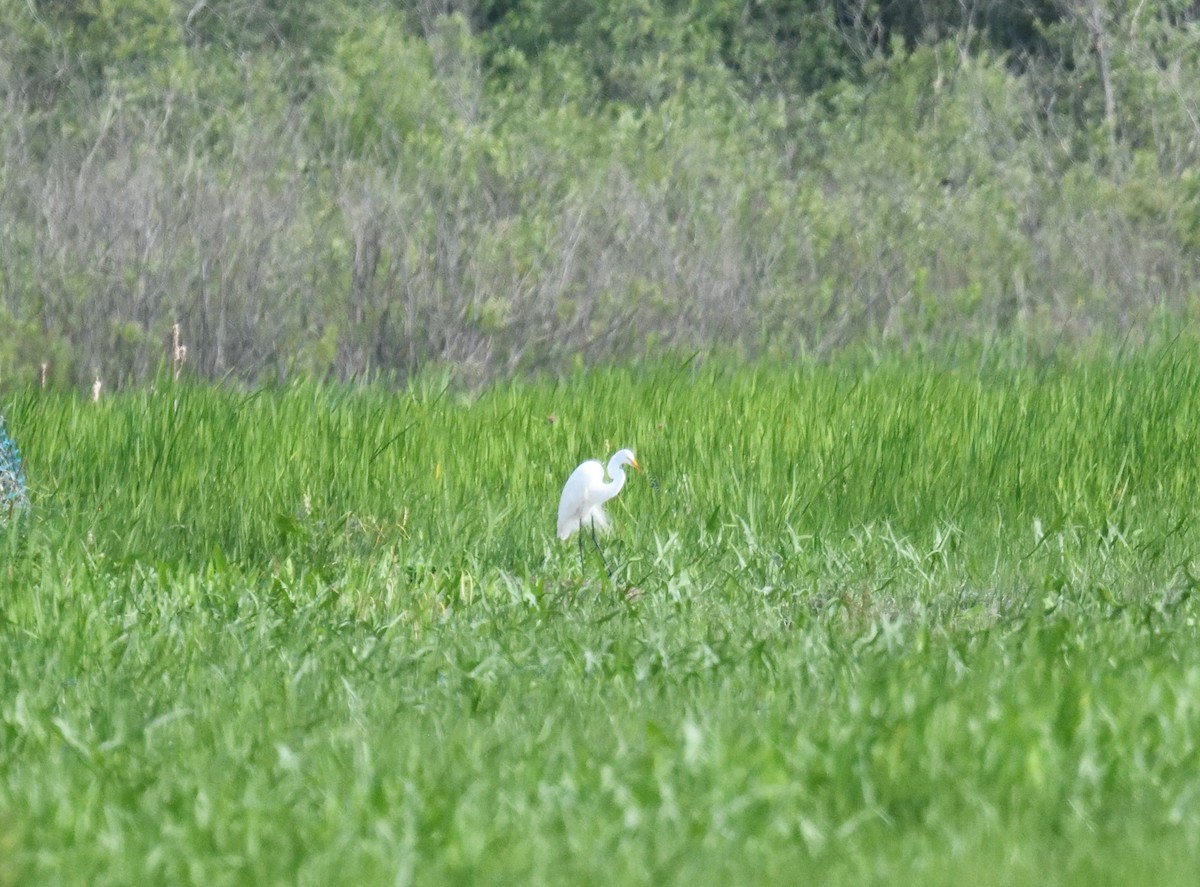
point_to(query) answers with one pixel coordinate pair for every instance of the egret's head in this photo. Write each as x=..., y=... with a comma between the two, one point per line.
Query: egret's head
x=626, y=457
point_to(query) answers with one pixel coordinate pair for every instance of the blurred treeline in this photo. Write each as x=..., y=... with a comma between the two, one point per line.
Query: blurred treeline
x=349, y=188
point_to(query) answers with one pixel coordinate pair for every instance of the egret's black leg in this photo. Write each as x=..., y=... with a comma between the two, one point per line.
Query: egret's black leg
x=581, y=549
x=596, y=542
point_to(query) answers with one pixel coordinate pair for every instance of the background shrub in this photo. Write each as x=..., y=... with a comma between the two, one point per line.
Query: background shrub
x=354, y=189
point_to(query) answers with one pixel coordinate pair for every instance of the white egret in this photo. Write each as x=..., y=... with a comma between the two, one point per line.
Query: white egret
x=584, y=495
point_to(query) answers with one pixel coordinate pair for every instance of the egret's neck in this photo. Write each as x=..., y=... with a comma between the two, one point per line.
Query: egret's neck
x=617, y=473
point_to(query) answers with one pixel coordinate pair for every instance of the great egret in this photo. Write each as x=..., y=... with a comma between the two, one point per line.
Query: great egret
x=585, y=493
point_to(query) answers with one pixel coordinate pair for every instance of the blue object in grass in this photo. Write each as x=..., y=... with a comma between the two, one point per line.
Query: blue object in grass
x=14, y=495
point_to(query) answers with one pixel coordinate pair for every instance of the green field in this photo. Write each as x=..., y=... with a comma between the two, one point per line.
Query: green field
x=882, y=621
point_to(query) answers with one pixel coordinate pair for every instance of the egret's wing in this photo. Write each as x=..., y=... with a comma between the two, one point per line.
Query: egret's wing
x=578, y=497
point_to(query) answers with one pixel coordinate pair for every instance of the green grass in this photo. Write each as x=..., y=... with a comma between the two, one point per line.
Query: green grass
x=893, y=621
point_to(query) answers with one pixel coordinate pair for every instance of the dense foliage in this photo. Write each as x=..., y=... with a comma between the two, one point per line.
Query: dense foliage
x=360, y=187
x=921, y=620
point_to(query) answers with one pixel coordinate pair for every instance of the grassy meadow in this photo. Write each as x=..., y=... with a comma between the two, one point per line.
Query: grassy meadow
x=877, y=621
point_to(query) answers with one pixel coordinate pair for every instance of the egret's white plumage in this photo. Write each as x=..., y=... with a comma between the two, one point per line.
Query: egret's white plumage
x=585, y=493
